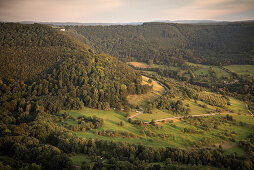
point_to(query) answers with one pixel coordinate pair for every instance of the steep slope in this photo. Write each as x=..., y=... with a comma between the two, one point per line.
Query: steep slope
x=44, y=69
x=30, y=50
x=166, y=43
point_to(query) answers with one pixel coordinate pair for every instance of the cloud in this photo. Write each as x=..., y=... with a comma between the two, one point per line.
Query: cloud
x=122, y=10
x=212, y=9
x=55, y=10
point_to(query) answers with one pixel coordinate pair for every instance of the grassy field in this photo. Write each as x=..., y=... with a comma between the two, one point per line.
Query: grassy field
x=145, y=65
x=205, y=69
x=238, y=106
x=241, y=69
x=168, y=134
x=196, y=108
x=157, y=114
x=198, y=65
x=111, y=119
x=218, y=72
x=143, y=99
x=79, y=159
x=139, y=64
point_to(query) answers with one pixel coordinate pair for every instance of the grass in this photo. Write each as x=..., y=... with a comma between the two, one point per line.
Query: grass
x=143, y=99
x=145, y=65
x=234, y=149
x=111, y=119
x=196, y=109
x=204, y=70
x=238, y=106
x=79, y=159
x=139, y=64
x=157, y=114
x=175, y=135
x=218, y=72
x=241, y=69
x=199, y=65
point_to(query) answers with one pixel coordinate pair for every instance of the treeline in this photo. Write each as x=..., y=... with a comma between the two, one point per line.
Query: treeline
x=171, y=44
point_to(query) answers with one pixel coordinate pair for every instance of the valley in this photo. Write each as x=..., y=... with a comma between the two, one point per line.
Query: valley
x=150, y=96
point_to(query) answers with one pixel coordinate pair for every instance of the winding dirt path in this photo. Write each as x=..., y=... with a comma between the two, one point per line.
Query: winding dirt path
x=249, y=110
x=180, y=117
x=141, y=112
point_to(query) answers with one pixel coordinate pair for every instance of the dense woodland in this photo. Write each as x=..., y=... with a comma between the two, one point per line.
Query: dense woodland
x=171, y=44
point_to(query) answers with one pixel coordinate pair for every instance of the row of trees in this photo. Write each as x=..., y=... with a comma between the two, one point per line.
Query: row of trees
x=88, y=123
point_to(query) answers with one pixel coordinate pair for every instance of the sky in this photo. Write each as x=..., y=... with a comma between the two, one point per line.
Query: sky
x=124, y=11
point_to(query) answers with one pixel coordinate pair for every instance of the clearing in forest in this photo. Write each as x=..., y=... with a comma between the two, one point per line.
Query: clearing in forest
x=241, y=69
x=138, y=64
x=143, y=99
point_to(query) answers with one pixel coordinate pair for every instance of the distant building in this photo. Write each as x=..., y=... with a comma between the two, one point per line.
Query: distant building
x=62, y=29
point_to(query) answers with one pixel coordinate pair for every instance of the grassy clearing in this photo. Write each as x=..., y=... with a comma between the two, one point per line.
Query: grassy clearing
x=145, y=65
x=220, y=73
x=157, y=114
x=139, y=64
x=79, y=159
x=198, y=65
x=143, y=99
x=234, y=149
x=111, y=119
x=202, y=72
x=205, y=69
x=241, y=69
x=196, y=109
x=238, y=106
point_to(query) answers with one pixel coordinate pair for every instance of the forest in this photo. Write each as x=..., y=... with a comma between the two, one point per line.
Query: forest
x=65, y=97
x=171, y=44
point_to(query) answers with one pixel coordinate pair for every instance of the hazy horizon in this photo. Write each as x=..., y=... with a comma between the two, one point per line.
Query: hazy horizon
x=124, y=11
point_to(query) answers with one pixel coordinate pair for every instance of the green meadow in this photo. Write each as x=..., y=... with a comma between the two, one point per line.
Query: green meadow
x=169, y=134
x=241, y=69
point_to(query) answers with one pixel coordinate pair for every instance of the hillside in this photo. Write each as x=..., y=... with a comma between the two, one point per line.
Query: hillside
x=46, y=62
x=165, y=43
x=44, y=71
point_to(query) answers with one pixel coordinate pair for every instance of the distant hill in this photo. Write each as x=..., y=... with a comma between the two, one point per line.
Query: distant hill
x=80, y=23
x=171, y=43
x=189, y=21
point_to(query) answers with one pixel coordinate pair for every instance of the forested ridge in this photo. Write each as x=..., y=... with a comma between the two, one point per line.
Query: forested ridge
x=171, y=44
